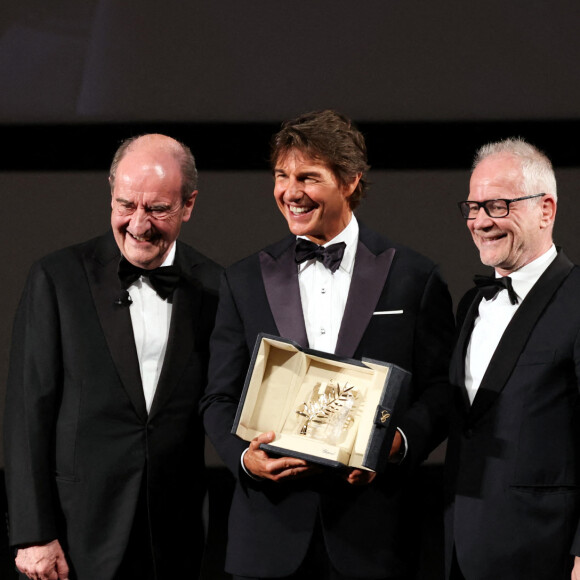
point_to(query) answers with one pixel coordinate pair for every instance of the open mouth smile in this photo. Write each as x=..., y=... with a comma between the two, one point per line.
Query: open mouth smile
x=142, y=238
x=299, y=210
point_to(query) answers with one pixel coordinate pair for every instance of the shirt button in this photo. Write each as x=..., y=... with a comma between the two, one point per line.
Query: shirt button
x=322, y=331
x=323, y=290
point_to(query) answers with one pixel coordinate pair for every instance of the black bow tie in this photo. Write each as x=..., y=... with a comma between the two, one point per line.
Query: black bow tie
x=330, y=256
x=164, y=280
x=490, y=286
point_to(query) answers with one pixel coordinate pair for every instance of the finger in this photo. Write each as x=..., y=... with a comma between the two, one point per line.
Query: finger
x=360, y=477
x=62, y=568
x=267, y=437
x=285, y=463
x=262, y=438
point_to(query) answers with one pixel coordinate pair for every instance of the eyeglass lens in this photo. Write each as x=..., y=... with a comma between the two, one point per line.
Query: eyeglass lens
x=492, y=207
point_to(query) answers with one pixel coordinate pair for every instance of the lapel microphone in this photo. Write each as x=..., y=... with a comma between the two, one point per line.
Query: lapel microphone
x=124, y=299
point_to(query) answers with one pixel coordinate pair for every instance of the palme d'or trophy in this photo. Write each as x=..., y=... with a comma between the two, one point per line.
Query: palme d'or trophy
x=329, y=411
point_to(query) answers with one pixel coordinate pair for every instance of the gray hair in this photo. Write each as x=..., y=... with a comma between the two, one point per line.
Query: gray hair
x=537, y=171
x=180, y=152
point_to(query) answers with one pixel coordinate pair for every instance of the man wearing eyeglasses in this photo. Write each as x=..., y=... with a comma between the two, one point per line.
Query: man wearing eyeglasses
x=513, y=456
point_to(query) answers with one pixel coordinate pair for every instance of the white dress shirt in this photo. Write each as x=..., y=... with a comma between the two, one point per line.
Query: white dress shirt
x=150, y=317
x=493, y=317
x=324, y=294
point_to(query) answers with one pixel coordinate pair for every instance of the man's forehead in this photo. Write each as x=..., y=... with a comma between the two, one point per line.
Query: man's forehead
x=140, y=172
x=155, y=160
x=296, y=157
x=497, y=174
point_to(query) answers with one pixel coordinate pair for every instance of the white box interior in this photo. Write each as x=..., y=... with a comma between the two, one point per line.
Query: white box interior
x=283, y=378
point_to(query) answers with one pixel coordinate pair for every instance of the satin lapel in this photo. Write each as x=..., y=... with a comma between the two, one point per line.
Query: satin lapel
x=457, y=364
x=280, y=275
x=516, y=335
x=368, y=280
x=115, y=319
x=184, y=318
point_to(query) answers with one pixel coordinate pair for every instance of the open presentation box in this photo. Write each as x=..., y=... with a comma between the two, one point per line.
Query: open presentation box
x=325, y=409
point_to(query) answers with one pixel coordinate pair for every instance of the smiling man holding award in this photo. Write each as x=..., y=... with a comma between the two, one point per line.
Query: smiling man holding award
x=332, y=285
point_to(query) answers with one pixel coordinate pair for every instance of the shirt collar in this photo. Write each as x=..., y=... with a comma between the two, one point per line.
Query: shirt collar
x=524, y=279
x=170, y=256
x=350, y=237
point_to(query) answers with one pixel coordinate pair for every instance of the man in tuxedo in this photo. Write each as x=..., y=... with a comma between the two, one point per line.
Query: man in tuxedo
x=513, y=457
x=378, y=300
x=104, y=447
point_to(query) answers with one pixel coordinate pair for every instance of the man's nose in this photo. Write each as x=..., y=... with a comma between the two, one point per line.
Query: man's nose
x=482, y=220
x=140, y=221
x=293, y=190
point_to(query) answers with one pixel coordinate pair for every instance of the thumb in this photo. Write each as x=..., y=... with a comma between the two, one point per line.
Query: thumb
x=62, y=568
x=267, y=437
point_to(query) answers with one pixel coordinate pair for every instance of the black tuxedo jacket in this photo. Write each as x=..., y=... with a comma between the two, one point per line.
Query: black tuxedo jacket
x=513, y=457
x=78, y=440
x=271, y=523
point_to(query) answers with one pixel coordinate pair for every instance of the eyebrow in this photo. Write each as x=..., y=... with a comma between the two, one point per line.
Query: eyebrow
x=305, y=173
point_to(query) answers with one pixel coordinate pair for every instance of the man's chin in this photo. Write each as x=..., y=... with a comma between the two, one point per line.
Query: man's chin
x=491, y=261
x=147, y=261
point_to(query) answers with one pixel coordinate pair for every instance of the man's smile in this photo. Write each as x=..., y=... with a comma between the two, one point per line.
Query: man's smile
x=491, y=239
x=147, y=237
x=300, y=210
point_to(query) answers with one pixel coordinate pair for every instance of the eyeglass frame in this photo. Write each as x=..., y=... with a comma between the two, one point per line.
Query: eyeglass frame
x=483, y=204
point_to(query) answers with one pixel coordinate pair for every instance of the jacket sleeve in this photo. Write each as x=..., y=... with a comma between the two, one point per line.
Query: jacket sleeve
x=229, y=360
x=34, y=382
x=575, y=549
x=425, y=424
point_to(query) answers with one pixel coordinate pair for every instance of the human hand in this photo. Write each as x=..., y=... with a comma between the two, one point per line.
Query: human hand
x=576, y=569
x=44, y=562
x=359, y=476
x=260, y=464
x=397, y=448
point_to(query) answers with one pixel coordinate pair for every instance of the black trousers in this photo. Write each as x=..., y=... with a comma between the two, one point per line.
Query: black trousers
x=138, y=562
x=456, y=573
x=317, y=565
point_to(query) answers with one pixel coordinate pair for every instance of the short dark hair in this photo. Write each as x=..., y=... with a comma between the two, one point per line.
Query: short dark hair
x=329, y=137
x=181, y=152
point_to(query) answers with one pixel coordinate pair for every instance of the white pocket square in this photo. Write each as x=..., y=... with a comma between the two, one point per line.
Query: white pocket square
x=380, y=312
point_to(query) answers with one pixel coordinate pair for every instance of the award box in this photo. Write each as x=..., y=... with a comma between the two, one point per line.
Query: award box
x=323, y=408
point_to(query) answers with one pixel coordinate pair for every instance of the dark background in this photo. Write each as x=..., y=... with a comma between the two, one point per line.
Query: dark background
x=428, y=82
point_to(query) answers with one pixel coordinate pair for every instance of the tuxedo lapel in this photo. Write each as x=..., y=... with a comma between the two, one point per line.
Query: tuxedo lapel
x=184, y=318
x=280, y=276
x=516, y=335
x=115, y=319
x=368, y=280
x=457, y=363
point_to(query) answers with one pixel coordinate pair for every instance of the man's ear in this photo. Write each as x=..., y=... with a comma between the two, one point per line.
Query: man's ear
x=188, y=206
x=349, y=188
x=549, y=208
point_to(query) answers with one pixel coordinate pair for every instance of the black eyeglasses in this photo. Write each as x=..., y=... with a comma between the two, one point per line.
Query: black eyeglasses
x=494, y=208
